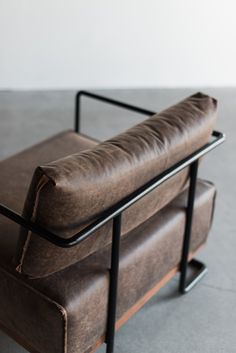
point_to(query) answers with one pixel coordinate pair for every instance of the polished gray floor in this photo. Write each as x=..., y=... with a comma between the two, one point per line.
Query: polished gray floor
x=204, y=321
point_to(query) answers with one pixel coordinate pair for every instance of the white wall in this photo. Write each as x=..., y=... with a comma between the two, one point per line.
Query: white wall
x=117, y=43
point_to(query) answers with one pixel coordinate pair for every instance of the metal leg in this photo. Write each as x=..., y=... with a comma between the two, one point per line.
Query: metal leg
x=114, y=274
x=197, y=265
x=77, y=112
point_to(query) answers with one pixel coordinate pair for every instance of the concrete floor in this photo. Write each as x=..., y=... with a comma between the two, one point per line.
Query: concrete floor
x=203, y=321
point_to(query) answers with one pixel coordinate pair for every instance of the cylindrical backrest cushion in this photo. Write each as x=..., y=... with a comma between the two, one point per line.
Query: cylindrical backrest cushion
x=68, y=194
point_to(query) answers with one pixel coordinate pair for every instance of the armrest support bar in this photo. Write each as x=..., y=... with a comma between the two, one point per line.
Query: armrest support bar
x=120, y=206
x=105, y=100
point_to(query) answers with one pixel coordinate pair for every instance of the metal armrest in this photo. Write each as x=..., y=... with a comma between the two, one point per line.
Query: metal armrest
x=120, y=206
x=105, y=100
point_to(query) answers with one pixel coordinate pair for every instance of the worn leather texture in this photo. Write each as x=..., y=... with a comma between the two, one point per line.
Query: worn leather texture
x=68, y=194
x=66, y=312
x=15, y=177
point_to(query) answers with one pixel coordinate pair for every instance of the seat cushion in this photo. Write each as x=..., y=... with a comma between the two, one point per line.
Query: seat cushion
x=15, y=176
x=66, y=312
x=68, y=194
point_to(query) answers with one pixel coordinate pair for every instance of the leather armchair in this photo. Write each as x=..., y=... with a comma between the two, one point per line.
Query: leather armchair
x=89, y=230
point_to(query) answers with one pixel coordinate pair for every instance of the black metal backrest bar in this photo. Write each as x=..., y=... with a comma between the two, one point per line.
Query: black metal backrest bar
x=33, y=227
x=105, y=100
x=119, y=207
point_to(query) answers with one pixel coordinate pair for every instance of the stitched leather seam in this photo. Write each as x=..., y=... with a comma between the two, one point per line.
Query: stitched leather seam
x=42, y=182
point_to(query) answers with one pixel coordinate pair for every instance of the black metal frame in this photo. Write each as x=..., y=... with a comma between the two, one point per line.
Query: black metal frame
x=115, y=214
x=105, y=100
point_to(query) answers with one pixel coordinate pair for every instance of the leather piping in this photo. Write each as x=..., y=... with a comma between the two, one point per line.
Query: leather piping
x=43, y=181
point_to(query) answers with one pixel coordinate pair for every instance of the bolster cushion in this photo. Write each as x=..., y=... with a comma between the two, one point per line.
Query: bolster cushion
x=68, y=194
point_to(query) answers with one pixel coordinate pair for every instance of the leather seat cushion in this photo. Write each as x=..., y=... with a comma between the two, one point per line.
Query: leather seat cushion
x=66, y=312
x=68, y=194
x=15, y=176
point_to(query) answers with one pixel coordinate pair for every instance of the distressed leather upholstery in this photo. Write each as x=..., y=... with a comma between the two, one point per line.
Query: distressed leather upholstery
x=67, y=194
x=15, y=178
x=66, y=312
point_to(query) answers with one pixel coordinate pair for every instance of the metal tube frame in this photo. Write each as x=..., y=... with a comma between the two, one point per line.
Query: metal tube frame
x=104, y=100
x=115, y=213
x=114, y=274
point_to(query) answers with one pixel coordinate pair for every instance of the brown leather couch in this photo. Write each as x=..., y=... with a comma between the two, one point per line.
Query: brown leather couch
x=56, y=293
